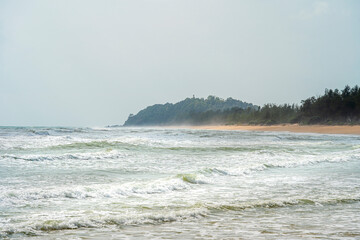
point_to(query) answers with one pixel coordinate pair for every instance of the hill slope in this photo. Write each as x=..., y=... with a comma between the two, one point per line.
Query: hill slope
x=181, y=112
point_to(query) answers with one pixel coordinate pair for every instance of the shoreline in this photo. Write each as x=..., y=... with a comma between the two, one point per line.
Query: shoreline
x=296, y=128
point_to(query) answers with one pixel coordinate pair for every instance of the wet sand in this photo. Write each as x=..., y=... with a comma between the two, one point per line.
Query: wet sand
x=325, y=129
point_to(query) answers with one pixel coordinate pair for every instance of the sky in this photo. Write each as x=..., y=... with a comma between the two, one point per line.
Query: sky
x=92, y=63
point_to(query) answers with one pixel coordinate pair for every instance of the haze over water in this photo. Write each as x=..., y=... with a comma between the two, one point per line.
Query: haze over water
x=112, y=183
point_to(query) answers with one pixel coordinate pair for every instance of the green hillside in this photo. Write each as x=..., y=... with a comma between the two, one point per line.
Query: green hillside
x=183, y=112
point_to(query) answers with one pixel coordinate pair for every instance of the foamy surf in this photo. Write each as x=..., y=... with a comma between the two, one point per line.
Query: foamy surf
x=127, y=182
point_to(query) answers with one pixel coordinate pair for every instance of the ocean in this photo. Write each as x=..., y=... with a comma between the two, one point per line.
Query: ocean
x=158, y=183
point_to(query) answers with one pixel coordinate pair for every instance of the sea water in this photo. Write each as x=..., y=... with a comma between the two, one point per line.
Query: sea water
x=154, y=183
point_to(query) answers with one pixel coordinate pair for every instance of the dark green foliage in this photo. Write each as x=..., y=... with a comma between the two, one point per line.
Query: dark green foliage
x=276, y=114
x=334, y=107
x=184, y=112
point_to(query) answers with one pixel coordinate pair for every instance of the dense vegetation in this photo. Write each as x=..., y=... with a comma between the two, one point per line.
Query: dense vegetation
x=334, y=107
x=184, y=111
x=267, y=115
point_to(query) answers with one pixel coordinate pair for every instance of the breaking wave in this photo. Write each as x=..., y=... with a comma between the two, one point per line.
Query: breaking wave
x=282, y=203
x=154, y=216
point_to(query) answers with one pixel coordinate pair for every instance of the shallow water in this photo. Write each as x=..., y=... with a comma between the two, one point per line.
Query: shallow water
x=95, y=183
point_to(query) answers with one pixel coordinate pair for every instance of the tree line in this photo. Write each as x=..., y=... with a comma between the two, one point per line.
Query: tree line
x=334, y=107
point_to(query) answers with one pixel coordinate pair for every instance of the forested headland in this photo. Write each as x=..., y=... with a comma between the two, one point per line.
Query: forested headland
x=186, y=111
x=332, y=108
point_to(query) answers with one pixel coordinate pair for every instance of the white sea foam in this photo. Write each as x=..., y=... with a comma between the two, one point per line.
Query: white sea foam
x=74, y=179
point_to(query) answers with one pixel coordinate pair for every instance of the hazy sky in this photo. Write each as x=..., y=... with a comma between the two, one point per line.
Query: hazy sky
x=92, y=63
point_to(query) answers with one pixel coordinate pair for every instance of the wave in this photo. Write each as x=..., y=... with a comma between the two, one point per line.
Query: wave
x=68, y=130
x=126, y=144
x=135, y=144
x=191, y=178
x=215, y=171
x=215, y=148
x=147, y=144
x=67, y=142
x=157, y=215
x=90, y=145
x=108, y=154
x=280, y=203
x=204, y=175
x=34, y=196
x=178, y=182
x=39, y=132
x=32, y=131
x=100, y=191
x=275, y=164
x=83, y=145
x=100, y=220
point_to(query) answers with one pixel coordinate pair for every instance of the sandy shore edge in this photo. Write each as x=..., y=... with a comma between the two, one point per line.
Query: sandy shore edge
x=324, y=129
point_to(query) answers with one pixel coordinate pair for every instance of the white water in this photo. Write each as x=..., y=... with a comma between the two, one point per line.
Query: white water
x=116, y=183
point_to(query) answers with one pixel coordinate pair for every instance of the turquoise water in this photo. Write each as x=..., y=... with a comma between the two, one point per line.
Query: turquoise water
x=153, y=183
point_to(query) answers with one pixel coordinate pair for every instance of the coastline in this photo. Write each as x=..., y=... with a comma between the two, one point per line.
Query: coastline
x=296, y=128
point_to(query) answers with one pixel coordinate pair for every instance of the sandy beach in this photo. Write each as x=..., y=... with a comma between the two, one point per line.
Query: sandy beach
x=325, y=129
